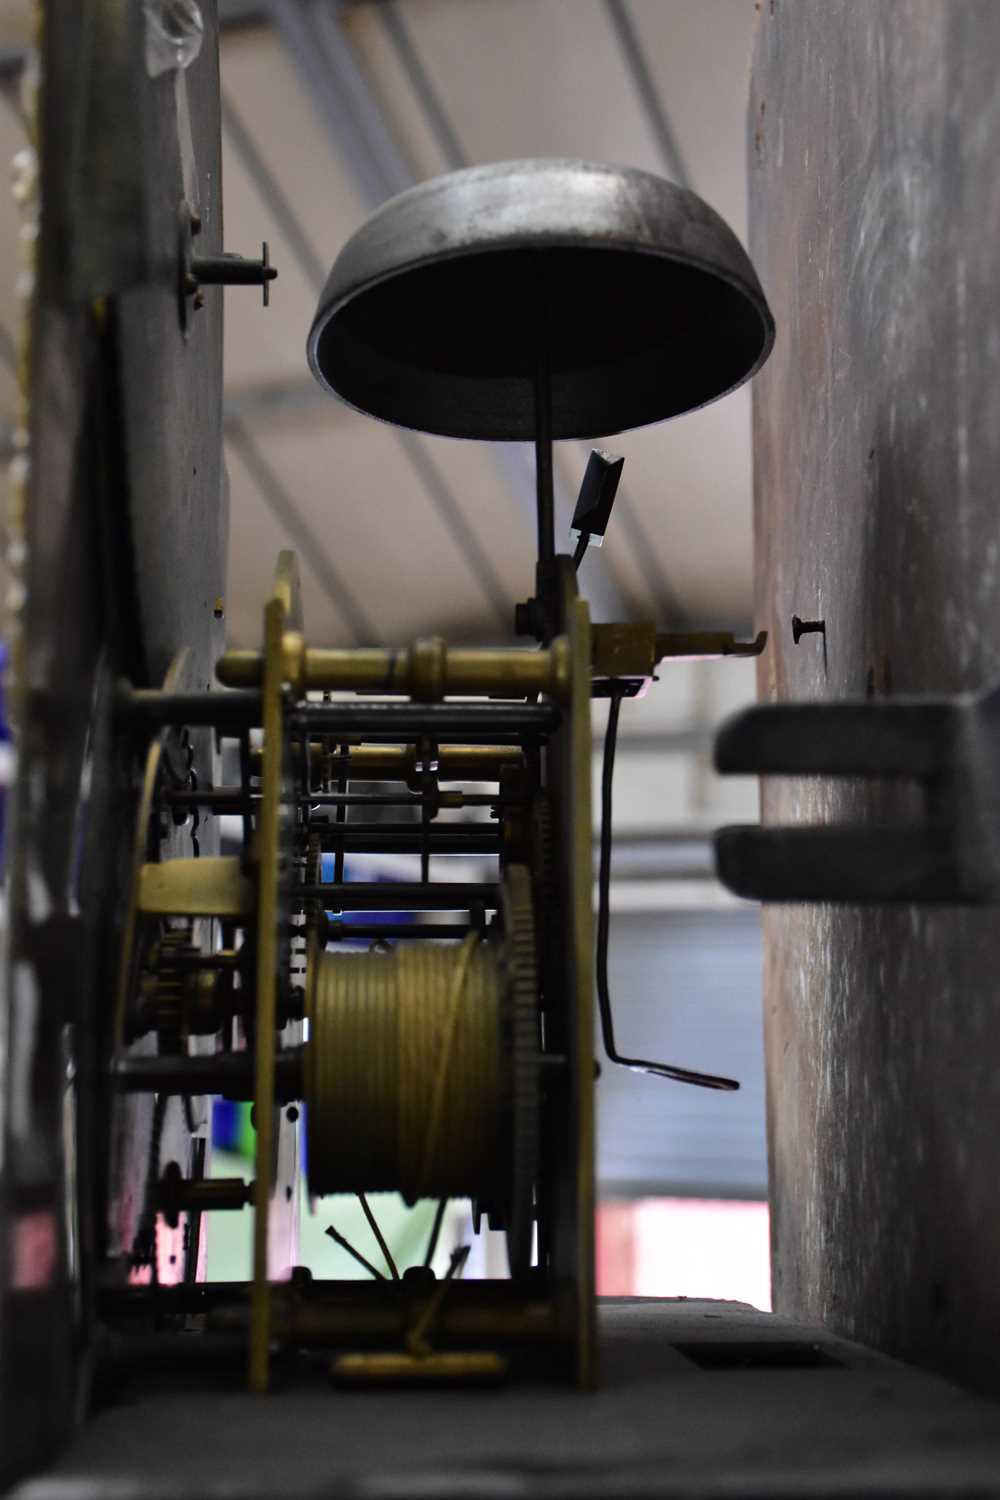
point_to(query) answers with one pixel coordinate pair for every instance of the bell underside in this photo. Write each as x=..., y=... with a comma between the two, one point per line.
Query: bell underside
x=637, y=295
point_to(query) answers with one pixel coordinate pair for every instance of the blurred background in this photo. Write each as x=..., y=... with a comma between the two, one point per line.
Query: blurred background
x=328, y=109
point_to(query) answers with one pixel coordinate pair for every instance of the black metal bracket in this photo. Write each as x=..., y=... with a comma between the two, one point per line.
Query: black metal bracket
x=197, y=271
x=948, y=745
x=593, y=506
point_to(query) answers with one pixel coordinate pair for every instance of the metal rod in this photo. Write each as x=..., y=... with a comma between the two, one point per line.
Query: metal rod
x=214, y=800
x=344, y=786
x=407, y=799
x=398, y=763
x=402, y=838
x=506, y=672
x=231, y=270
x=199, y=1195
x=435, y=1231
x=345, y=1244
x=402, y=722
x=361, y=799
x=394, y=721
x=544, y=491
x=358, y=895
x=191, y=962
x=227, y=1073
x=339, y=931
x=230, y=799
x=150, y=709
x=424, y=755
x=376, y=1231
x=495, y=738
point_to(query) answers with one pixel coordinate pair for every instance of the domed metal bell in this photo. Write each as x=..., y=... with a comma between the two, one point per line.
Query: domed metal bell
x=435, y=310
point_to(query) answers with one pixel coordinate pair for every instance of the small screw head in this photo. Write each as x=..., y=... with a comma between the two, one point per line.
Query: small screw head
x=806, y=627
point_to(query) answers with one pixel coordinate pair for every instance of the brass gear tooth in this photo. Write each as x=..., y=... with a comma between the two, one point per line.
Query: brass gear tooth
x=168, y=1009
x=519, y=924
x=544, y=851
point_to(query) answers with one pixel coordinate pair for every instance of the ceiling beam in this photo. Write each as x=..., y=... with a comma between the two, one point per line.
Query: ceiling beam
x=272, y=195
x=309, y=546
x=462, y=533
x=445, y=136
x=270, y=401
x=314, y=38
x=656, y=112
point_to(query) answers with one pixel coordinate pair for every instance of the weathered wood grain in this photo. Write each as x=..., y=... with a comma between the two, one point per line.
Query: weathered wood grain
x=875, y=222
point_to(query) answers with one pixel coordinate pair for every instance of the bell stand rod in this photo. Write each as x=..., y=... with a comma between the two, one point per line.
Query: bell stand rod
x=544, y=494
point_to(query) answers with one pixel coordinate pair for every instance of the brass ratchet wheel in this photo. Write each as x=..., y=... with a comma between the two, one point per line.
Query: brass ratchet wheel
x=525, y=1051
x=421, y=1072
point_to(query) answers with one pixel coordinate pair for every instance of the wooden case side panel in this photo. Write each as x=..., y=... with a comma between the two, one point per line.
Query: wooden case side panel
x=875, y=210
